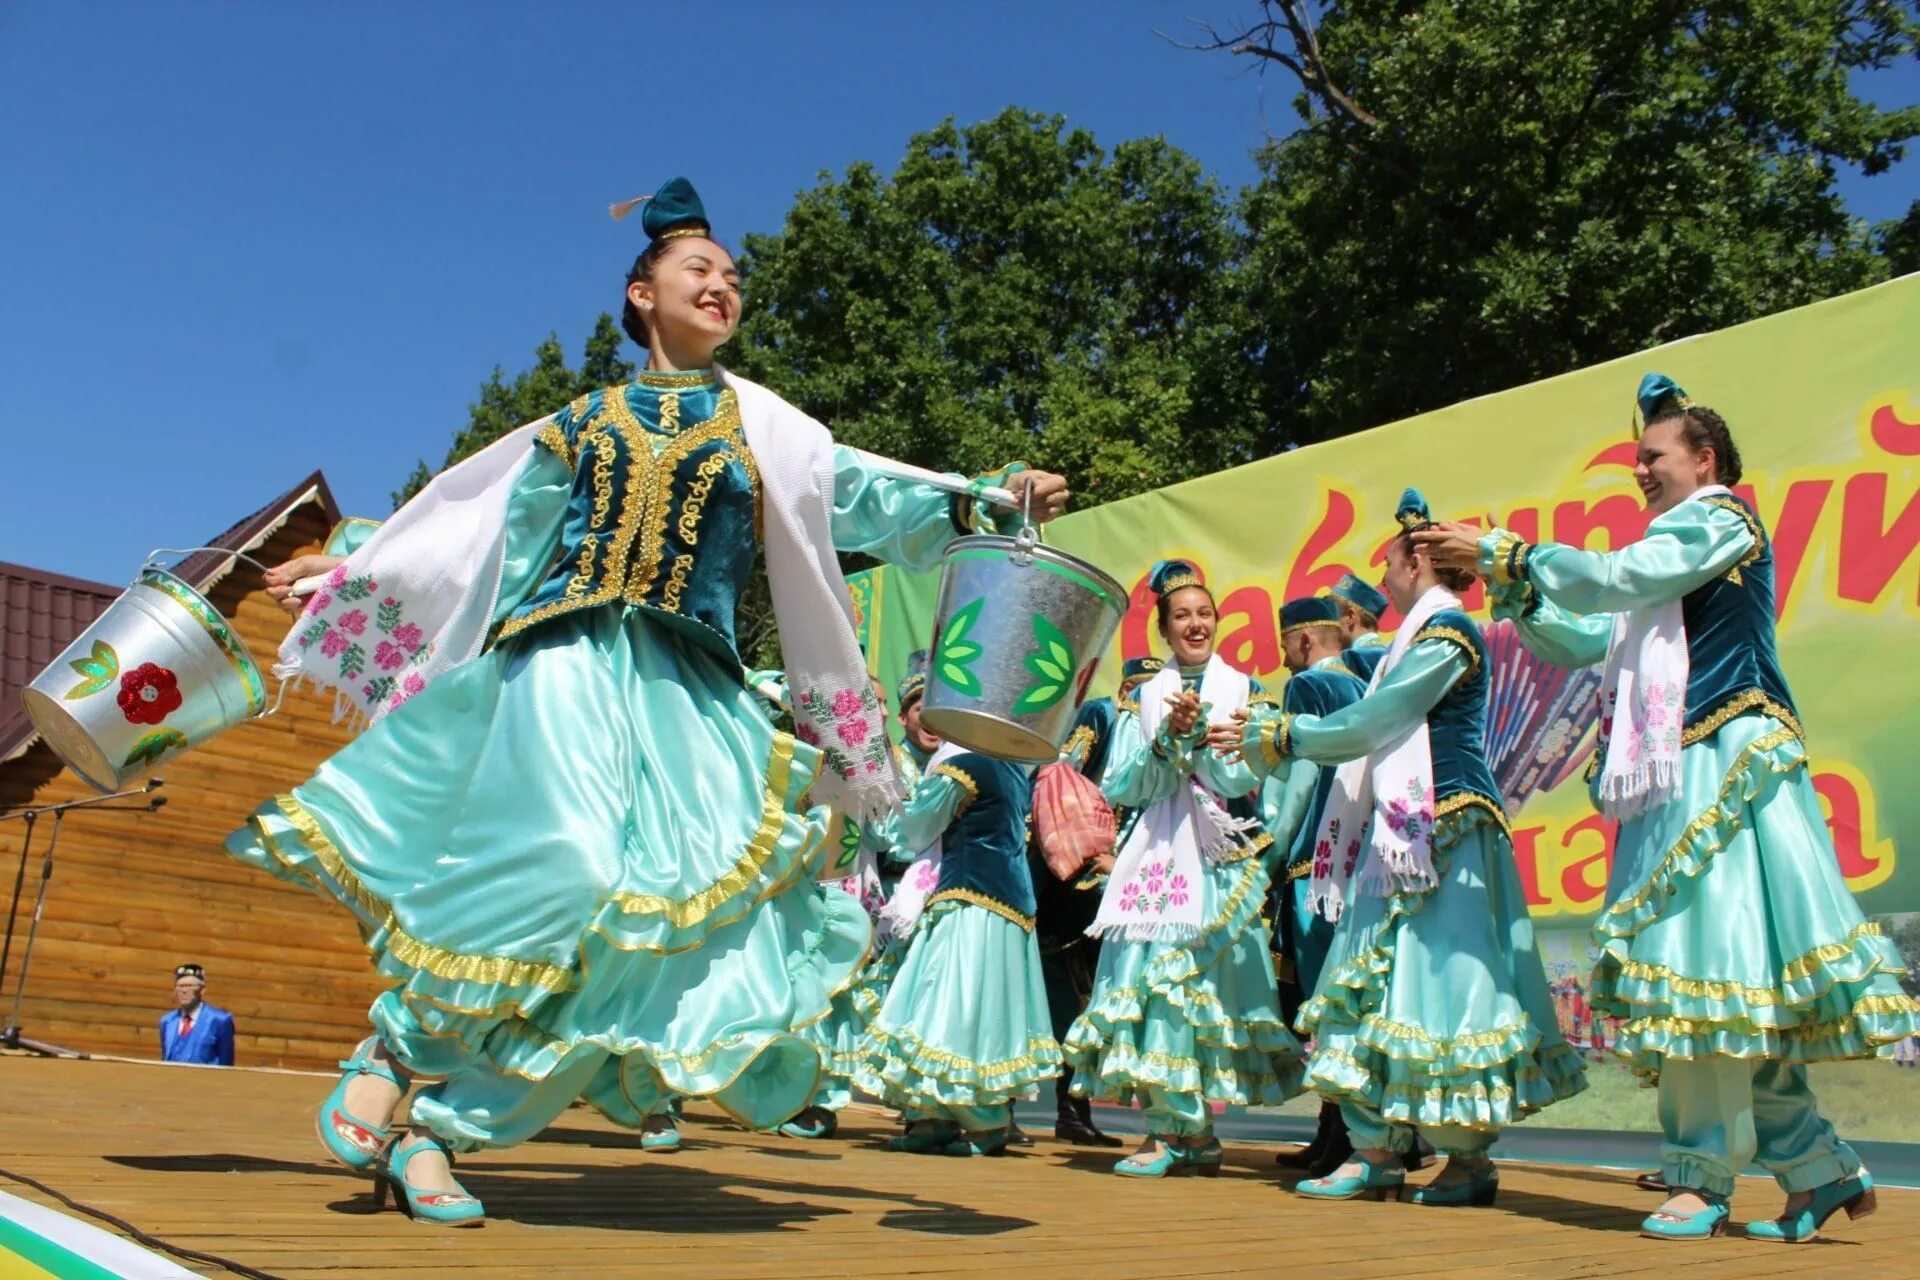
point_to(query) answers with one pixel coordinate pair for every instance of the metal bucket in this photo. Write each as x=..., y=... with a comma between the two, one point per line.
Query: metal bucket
x=158, y=672
x=1019, y=630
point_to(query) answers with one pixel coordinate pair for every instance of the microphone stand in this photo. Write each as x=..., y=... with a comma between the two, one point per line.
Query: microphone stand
x=10, y=1037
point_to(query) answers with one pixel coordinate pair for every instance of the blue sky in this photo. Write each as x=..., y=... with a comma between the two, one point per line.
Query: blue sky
x=240, y=241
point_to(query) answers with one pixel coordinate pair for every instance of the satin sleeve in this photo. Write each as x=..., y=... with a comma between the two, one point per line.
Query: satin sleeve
x=900, y=521
x=1285, y=798
x=929, y=811
x=1684, y=549
x=1549, y=632
x=1139, y=772
x=536, y=515
x=1401, y=700
x=349, y=536
x=1224, y=777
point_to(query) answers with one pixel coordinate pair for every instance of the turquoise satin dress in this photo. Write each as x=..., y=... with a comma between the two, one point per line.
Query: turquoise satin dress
x=1179, y=1025
x=1432, y=1009
x=1728, y=941
x=964, y=1030
x=576, y=856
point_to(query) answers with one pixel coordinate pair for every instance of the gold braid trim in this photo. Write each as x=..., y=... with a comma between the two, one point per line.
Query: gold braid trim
x=1308, y=626
x=1130, y=706
x=1739, y=705
x=1262, y=698
x=1501, y=558
x=760, y=849
x=674, y=379
x=1457, y=637
x=965, y=781
x=1461, y=801
x=973, y=898
x=1726, y=503
x=409, y=950
x=557, y=444
x=1080, y=740
x=1300, y=870
x=1711, y=818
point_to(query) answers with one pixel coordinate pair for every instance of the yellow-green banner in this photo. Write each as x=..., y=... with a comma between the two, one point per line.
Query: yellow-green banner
x=1824, y=403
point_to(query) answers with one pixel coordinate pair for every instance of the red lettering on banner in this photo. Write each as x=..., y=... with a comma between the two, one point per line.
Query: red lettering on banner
x=1135, y=633
x=1624, y=454
x=1841, y=799
x=1308, y=577
x=1524, y=524
x=1526, y=861
x=1255, y=647
x=1624, y=521
x=1893, y=433
x=1582, y=888
x=1792, y=533
x=1872, y=550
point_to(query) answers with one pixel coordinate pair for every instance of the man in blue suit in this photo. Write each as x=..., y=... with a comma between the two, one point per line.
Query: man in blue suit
x=195, y=1031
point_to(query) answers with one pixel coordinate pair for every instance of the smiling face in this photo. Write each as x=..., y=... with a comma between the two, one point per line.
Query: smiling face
x=1667, y=469
x=692, y=302
x=1187, y=624
x=922, y=739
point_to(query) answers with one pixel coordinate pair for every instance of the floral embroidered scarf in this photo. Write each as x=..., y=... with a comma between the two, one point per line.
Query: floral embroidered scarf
x=1381, y=805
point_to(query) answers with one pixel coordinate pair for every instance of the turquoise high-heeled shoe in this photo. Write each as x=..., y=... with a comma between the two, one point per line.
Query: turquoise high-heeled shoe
x=1172, y=1161
x=1374, y=1182
x=1854, y=1194
x=983, y=1144
x=350, y=1140
x=438, y=1208
x=930, y=1138
x=661, y=1140
x=813, y=1123
x=1477, y=1190
x=1704, y=1225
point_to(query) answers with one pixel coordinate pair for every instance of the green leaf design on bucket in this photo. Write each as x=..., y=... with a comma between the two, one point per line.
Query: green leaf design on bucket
x=1051, y=666
x=849, y=843
x=954, y=662
x=152, y=746
x=97, y=671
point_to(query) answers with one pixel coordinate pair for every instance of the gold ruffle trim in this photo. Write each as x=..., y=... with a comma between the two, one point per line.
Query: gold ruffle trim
x=760, y=849
x=1804, y=967
x=1869, y=1006
x=1442, y=1048
x=507, y=971
x=1043, y=1053
x=1711, y=818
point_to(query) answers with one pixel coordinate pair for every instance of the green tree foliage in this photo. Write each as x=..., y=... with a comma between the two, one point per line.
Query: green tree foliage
x=533, y=393
x=1486, y=192
x=1012, y=291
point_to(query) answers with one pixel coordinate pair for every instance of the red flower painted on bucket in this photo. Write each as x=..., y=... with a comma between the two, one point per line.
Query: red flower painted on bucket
x=149, y=694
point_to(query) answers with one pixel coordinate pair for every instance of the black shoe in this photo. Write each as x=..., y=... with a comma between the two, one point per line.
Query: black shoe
x=1336, y=1153
x=1419, y=1155
x=1304, y=1157
x=1655, y=1181
x=1016, y=1136
x=1082, y=1134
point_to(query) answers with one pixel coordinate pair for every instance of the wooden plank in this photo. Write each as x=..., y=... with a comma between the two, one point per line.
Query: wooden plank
x=237, y=1173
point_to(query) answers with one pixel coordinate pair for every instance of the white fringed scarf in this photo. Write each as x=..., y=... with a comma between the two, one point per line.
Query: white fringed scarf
x=1154, y=891
x=1646, y=674
x=1382, y=804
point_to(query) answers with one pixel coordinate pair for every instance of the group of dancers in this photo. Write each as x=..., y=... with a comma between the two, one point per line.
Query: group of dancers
x=586, y=846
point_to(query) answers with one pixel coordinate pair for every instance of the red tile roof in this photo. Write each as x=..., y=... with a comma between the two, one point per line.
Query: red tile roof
x=41, y=613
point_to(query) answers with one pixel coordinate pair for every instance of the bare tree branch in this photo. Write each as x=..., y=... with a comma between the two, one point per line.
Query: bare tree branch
x=1302, y=56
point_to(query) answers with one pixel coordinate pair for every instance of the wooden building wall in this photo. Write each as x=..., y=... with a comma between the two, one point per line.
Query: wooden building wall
x=132, y=895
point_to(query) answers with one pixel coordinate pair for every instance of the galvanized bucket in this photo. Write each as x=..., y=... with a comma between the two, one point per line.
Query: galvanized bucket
x=158, y=672
x=1019, y=630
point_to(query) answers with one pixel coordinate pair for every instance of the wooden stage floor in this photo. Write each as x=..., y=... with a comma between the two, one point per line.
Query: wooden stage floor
x=226, y=1162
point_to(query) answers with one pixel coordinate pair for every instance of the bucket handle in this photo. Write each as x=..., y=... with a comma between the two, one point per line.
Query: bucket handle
x=1029, y=536
x=279, y=694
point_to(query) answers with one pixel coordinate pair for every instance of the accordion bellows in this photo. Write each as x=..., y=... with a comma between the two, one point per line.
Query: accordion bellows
x=1071, y=819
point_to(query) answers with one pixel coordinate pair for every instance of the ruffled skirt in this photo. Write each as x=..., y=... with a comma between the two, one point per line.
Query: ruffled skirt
x=1199, y=1017
x=582, y=843
x=1433, y=1008
x=1728, y=930
x=965, y=1021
